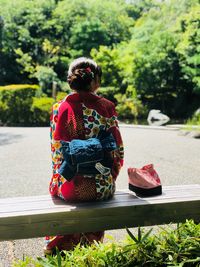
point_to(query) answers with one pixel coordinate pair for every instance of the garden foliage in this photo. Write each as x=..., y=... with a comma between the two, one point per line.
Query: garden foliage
x=26, y=105
x=15, y=104
x=41, y=110
x=150, y=46
x=195, y=119
x=169, y=247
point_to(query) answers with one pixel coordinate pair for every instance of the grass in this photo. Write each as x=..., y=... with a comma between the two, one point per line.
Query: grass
x=178, y=247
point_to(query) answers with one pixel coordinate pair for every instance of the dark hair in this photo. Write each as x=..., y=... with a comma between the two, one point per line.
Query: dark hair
x=81, y=73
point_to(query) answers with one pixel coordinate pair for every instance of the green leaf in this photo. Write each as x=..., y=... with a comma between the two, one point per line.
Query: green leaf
x=146, y=235
x=139, y=234
x=58, y=257
x=131, y=235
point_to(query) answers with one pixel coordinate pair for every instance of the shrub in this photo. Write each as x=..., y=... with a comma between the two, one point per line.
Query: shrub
x=64, y=87
x=61, y=95
x=170, y=247
x=195, y=120
x=21, y=106
x=15, y=104
x=41, y=110
x=128, y=108
x=128, y=105
x=46, y=76
x=109, y=93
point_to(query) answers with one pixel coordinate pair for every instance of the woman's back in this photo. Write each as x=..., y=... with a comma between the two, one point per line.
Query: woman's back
x=82, y=116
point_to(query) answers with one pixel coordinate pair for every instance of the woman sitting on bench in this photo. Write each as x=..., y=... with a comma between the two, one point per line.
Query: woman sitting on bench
x=82, y=115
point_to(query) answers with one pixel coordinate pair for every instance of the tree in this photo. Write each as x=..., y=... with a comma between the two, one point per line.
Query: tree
x=189, y=46
x=72, y=28
x=108, y=58
x=1, y=31
x=88, y=35
x=24, y=31
x=158, y=68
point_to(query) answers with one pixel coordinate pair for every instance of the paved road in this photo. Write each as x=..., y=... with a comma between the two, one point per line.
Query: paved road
x=25, y=168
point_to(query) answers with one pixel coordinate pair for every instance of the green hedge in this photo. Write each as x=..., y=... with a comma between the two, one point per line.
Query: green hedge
x=61, y=96
x=178, y=247
x=15, y=104
x=19, y=105
x=41, y=110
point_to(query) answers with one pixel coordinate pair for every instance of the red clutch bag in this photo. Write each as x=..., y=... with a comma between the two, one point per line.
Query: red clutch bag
x=145, y=181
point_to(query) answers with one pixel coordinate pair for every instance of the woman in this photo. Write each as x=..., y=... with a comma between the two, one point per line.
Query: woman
x=82, y=115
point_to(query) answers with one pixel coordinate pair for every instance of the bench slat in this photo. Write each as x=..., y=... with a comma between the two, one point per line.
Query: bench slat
x=50, y=207
x=175, y=189
x=28, y=217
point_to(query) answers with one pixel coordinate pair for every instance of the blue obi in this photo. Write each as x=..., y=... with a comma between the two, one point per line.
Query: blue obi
x=81, y=156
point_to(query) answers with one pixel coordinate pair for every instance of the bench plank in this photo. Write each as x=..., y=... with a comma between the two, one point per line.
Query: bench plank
x=37, y=216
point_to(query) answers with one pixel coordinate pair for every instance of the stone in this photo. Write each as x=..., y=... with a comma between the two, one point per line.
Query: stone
x=195, y=134
x=156, y=117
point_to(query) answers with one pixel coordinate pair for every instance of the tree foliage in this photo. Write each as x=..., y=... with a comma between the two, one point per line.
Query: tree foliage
x=162, y=58
x=189, y=46
x=151, y=46
x=43, y=33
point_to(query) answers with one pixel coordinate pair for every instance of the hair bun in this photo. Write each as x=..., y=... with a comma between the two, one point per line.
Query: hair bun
x=81, y=76
x=85, y=74
x=82, y=71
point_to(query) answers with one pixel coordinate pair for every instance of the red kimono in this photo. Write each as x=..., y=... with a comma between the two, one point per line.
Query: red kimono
x=81, y=116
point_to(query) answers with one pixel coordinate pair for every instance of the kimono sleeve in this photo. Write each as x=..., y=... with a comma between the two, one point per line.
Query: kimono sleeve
x=56, y=154
x=118, y=154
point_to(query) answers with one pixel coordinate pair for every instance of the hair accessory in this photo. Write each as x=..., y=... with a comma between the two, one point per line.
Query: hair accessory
x=89, y=71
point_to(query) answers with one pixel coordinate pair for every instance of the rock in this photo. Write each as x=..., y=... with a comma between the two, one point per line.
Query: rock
x=156, y=117
x=195, y=134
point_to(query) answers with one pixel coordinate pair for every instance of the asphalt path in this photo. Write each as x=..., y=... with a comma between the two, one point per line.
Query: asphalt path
x=25, y=168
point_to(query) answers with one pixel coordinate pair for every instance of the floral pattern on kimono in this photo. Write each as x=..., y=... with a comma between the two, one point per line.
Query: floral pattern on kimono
x=93, y=123
x=95, y=117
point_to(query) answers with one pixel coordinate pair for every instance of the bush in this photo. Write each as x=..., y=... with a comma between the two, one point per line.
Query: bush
x=61, y=95
x=64, y=87
x=46, y=76
x=170, y=247
x=109, y=93
x=41, y=110
x=128, y=108
x=15, y=104
x=19, y=105
x=128, y=105
x=195, y=120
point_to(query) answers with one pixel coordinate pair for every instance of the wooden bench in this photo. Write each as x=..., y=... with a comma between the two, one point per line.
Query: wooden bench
x=37, y=216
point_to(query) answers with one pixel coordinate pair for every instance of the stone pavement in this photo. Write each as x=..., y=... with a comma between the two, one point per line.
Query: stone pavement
x=25, y=168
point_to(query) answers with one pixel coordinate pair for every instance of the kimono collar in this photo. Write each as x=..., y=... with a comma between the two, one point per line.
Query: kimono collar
x=70, y=124
x=83, y=97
